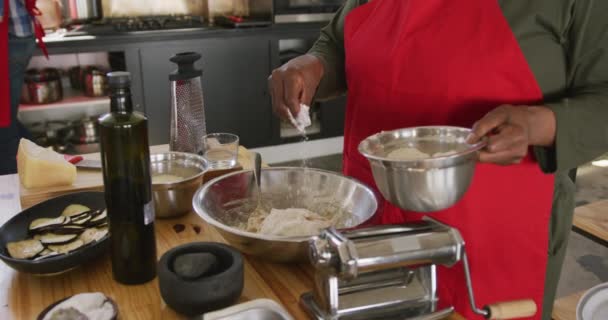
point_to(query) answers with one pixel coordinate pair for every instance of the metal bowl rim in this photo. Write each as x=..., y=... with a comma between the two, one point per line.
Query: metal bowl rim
x=474, y=148
x=204, y=188
x=588, y=295
x=162, y=186
x=218, y=134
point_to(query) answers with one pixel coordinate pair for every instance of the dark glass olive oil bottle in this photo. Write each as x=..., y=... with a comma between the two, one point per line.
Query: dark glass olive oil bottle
x=125, y=156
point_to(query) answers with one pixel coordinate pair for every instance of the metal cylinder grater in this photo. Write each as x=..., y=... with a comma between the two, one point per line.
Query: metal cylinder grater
x=187, y=105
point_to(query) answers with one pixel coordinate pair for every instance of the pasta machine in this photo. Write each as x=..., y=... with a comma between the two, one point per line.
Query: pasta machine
x=389, y=272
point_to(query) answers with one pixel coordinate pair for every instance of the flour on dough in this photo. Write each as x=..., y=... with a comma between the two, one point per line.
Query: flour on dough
x=407, y=154
x=410, y=154
x=293, y=222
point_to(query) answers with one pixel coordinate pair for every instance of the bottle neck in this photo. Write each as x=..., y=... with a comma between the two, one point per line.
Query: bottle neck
x=120, y=100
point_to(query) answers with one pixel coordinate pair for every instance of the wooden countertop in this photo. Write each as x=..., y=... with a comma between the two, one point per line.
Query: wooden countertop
x=23, y=296
x=593, y=219
x=565, y=308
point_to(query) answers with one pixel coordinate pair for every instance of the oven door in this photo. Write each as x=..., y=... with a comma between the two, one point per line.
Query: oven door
x=290, y=11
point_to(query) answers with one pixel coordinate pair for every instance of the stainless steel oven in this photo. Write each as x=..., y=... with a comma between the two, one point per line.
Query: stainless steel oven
x=290, y=11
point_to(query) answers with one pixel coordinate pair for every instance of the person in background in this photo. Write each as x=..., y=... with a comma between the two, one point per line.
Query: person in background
x=17, y=43
x=531, y=76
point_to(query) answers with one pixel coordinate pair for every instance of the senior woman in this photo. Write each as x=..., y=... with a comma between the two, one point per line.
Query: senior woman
x=532, y=76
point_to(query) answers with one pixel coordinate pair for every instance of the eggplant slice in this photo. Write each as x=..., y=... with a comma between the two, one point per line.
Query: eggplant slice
x=25, y=249
x=81, y=220
x=93, y=234
x=53, y=238
x=68, y=247
x=100, y=217
x=74, y=209
x=68, y=229
x=100, y=220
x=95, y=213
x=46, y=253
x=82, y=215
x=48, y=222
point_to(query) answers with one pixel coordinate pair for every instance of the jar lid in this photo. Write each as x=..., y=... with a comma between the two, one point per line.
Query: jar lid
x=119, y=79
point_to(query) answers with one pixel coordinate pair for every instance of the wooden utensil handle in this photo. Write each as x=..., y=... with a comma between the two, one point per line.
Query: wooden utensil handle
x=512, y=309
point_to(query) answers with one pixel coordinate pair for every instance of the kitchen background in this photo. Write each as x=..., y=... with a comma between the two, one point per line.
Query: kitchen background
x=241, y=42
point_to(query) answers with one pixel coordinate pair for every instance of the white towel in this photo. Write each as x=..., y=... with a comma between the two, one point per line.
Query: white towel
x=302, y=120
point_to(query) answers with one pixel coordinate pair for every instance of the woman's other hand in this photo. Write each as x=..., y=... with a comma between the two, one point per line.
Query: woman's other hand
x=510, y=130
x=293, y=83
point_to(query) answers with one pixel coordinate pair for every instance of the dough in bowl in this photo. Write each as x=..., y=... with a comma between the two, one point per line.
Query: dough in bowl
x=165, y=178
x=407, y=154
x=294, y=222
x=411, y=154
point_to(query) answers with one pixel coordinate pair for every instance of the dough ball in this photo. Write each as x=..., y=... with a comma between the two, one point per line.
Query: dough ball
x=293, y=222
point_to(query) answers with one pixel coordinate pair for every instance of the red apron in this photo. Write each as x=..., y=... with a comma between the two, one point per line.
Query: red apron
x=444, y=62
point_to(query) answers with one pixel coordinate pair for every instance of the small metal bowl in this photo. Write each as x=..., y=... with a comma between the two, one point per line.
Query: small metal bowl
x=174, y=199
x=425, y=185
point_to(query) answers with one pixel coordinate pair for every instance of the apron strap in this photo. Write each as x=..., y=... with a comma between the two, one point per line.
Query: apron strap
x=30, y=5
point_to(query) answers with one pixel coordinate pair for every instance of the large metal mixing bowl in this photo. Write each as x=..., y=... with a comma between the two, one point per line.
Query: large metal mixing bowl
x=224, y=201
x=425, y=185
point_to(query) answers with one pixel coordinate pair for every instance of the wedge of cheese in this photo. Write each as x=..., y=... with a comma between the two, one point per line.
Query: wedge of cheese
x=39, y=167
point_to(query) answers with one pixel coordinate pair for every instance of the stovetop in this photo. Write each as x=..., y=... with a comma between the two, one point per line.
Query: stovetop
x=155, y=24
x=137, y=25
x=127, y=24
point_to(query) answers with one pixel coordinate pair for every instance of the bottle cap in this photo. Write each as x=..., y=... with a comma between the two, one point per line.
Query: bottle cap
x=119, y=79
x=185, y=66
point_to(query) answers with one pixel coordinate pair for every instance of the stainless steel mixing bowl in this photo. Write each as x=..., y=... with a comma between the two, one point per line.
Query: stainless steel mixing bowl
x=173, y=199
x=229, y=199
x=425, y=185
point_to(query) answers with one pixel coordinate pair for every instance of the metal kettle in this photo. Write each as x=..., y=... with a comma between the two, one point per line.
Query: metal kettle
x=187, y=106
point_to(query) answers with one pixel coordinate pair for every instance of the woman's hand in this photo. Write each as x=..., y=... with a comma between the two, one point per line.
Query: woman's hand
x=510, y=130
x=293, y=83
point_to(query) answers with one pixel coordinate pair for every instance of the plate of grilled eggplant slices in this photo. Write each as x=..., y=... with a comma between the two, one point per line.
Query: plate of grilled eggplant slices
x=56, y=235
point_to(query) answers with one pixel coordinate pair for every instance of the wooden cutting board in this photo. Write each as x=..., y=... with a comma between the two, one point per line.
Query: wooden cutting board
x=92, y=179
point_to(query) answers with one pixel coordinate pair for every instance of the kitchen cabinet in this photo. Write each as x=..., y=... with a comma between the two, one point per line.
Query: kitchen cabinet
x=234, y=87
x=332, y=116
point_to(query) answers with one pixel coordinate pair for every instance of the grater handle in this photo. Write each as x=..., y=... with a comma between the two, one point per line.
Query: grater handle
x=511, y=309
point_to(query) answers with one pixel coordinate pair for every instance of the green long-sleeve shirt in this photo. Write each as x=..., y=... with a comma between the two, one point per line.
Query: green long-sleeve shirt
x=565, y=43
